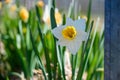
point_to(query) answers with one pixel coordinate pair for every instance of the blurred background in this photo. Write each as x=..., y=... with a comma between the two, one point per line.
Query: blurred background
x=97, y=5
x=81, y=7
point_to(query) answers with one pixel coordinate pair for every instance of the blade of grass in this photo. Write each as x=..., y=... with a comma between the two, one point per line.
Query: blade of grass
x=96, y=47
x=64, y=19
x=42, y=36
x=71, y=9
x=20, y=57
x=61, y=60
x=37, y=54
x=83, y=63
x=52, y=18
x=74, y=63
x=95, y=61
x=46, y=50
x=53, y=24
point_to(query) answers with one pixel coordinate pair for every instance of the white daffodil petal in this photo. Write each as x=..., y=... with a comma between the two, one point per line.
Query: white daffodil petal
x=46, y=13
x=81, y=35
x=57, y=32
x=69, y=21
x=73, y=47
x=63, y=42
x=80, y=24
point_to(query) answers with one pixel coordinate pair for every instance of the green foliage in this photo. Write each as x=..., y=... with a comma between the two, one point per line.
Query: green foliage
x=31, y=46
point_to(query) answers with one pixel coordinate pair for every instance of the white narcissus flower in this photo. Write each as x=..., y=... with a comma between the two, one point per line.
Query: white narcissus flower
x=71, y=34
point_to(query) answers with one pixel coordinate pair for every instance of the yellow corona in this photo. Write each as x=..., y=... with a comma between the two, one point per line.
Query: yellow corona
x=69, y=32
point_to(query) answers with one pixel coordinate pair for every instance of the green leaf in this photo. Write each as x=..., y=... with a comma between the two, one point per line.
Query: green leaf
x=53, y=24
x=88, y=15
x=43, y=40
x=37, y=54
x=71, y=9
x=64, y=19
x=61, y=60
x=52, y=18
x=85, y=58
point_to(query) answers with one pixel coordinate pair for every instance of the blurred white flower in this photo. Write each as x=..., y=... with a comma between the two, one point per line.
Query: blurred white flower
x=71, y=34
x=46, y=16
x=8, y=1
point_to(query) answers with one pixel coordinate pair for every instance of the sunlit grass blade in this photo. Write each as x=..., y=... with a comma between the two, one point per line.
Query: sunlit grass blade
x=73, y=64
x=53, y=3
x=20, y=30
x=42, y=36
x=85, y=58
x=48, y=62
x=97, y=51
x=60, y=56
x=37, y=54
x=88, y=51
x=53, y=25
x=70, y=12
x=96, y=62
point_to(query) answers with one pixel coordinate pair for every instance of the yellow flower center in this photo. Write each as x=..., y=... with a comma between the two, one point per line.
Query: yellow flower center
x=69, y=32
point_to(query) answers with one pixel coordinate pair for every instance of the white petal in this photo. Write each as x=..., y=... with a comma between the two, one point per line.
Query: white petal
x=56, y=10
x=81, y=35
x=46, y=13
x=80, y=24
x=69, y=21
x=73, y=47
x=63, y=42
x=57, y=32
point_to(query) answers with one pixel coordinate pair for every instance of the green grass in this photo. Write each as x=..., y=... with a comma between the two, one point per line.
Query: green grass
x=36, y=48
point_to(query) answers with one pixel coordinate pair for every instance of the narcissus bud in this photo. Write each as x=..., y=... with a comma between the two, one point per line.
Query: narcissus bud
x=7, y=1
x=0, y=5
x=40, y=3
x=24, y=14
